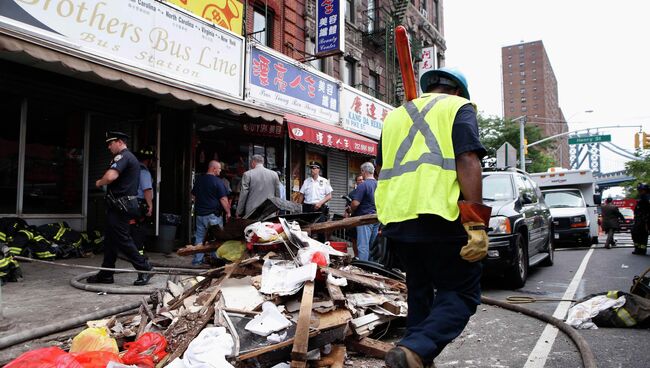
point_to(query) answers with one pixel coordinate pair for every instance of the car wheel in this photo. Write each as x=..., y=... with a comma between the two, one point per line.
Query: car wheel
x=551, y=253
x=517, y=274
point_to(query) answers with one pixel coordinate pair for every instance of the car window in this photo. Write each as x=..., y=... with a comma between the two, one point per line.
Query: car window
x=565, y=199
x=497, y=188
x=627, y=212
x=525, y=187
x=530, y=188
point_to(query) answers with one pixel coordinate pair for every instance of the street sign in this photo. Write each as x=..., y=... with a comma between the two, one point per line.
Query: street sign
x=590, y=139
x=506, y=155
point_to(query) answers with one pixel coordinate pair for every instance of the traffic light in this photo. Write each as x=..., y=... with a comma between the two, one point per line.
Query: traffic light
x=525, y=146
x=642, y=140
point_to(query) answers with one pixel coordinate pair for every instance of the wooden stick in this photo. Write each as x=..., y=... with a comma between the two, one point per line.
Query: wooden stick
x=328, y=226
x=359, y=279
x=301, y=339
x=143, y=322
x=189, y=249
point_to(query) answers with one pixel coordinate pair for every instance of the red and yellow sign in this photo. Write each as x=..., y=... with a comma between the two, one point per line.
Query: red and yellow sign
x=227, y=14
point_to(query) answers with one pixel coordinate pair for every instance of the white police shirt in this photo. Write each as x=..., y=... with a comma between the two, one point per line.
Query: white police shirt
x=315, y=190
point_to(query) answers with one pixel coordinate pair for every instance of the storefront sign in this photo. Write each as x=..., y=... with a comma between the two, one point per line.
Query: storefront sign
x=428, y=62
x=227, y=14
x=330, y=21
x=362, y=113
x=264, y=129
x=283, y=82
x=143, y=35
x=313, y=133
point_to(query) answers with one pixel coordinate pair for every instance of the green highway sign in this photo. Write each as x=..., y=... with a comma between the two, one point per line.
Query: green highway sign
x=590, y=139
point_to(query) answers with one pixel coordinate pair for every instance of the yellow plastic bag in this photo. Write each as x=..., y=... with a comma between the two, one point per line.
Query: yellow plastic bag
x=94, y=339
x=231, y=250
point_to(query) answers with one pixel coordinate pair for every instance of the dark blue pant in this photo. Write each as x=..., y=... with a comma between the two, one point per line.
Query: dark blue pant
x=118, y=238
x=443, y=292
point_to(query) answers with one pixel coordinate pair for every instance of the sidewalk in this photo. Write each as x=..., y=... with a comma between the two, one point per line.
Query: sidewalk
x=45, y=297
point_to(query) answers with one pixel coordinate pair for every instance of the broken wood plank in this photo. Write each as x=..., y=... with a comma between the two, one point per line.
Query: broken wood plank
x=359, y=279
x=335, y=359
x=143, y=322
x=335, y=318
x=189, y=249
x=328, y=226
x=266, y=349
x=369, y=347
x=301, y=339
x=336, y=294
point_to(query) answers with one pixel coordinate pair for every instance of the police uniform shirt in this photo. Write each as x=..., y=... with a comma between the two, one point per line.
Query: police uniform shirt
x=315, y=190
x=145, y=181
x=129, y=168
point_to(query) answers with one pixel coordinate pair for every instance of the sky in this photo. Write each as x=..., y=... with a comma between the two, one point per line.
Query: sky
x=599, y=51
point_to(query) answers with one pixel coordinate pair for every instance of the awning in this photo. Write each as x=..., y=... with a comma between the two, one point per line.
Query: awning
x=33, y=54
x=315, y=132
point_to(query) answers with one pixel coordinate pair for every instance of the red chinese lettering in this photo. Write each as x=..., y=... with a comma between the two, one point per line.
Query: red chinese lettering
x=261, y=69
x=310, y=86
x=279, y=78
x=383, y=114
x=296, y=83
x=328, y=5
x=356, y=105
x=371, y=111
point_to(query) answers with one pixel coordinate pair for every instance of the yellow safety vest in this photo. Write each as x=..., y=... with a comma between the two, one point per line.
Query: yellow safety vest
x=418, y=175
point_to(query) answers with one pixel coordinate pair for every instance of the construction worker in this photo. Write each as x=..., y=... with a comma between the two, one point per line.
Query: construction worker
x=611, y=218
x=145, y=198
x=641, y=220
x=429, y=198
x=121, y=180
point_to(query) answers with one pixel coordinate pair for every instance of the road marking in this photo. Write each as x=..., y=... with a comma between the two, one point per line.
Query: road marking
x=537, y=357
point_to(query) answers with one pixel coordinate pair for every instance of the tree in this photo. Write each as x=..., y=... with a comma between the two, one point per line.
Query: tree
x=494, y=131
x=640, y=169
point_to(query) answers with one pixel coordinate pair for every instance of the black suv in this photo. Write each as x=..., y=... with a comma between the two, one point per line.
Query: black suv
x=520, y=226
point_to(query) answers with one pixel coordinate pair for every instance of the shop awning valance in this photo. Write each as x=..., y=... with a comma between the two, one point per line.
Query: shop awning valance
x=31, y=52
x=312, y=131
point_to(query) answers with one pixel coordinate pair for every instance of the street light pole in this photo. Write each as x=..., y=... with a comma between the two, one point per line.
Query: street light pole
x=522, y=148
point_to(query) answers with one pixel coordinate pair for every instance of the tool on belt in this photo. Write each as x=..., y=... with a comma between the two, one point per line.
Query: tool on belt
x=126, y=204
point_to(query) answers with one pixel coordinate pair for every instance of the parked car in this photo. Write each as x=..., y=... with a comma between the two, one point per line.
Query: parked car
x=521, y=229
x=626, y=225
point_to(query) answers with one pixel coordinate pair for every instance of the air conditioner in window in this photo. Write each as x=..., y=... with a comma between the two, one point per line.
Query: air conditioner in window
x=424, y=13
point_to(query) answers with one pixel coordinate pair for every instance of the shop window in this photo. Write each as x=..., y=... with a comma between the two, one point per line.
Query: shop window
x=53, y=159
x=263, y=25
x=9, y=139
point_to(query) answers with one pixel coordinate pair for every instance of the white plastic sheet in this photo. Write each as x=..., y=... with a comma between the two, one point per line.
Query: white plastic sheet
x=267, y=322
x=580, y=315
x=208, y=350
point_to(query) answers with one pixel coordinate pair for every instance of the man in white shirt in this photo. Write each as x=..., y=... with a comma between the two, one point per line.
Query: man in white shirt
x=315, y=192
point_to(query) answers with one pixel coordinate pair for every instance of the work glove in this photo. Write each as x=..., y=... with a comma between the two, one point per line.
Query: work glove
x=474, y=217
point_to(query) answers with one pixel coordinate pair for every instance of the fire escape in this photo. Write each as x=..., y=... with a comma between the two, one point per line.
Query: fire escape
x=379, y=25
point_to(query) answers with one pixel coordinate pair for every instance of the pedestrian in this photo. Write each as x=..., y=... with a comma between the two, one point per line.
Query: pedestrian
x=611, y=217
x=210, y=204
x=145, y=198
x=121, y=179
x=363, y=203
x=348, y=211
x=641, y=220
x=257, y=185
x=315, y=192
x=429, y=199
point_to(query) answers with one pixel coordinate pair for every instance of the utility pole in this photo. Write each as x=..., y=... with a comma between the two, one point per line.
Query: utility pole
x=522, y=143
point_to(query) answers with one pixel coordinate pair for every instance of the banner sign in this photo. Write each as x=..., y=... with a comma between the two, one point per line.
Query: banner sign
x=428, y=62
x=330, y=27
x=325, y=137
x=227, y=14
x=362, y=113
x=141, y=34
x=283, y=82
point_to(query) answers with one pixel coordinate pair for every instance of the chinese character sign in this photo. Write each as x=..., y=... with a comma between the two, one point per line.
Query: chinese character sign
x=428, y=62
x=362, y=113
x=330, y=27
x=281, y=82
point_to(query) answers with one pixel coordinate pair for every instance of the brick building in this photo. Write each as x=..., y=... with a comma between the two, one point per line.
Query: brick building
x=530, y=88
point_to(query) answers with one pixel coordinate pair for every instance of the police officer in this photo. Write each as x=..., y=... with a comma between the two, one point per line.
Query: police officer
x=122, y=178
x=641, y=220
x=145, y=198
x=431, y=158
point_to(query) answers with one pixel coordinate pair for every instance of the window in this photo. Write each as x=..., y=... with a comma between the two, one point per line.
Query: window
x=509, y=57
x=522, y=91
x=9, y=139
x=423, y=4
x=436, y=13
x=523, y=99
x=317, y=63
x=373, y=84
x=523, y=81
x=520, y=47
x=512, y=109
x=533, y=61
x=349, y=11
x=348, y=73
x=524, y=108
x=534, y=70
x=521, y=65
x=371, y=16
x=509, y=65
x=262, y=25
x=53, y=159
x=512, y=101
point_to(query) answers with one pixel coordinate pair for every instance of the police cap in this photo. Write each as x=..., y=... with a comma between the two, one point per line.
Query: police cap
x=315, y=164
x=113, y=136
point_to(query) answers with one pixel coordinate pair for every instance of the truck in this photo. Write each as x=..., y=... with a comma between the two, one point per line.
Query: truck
x=571, y=196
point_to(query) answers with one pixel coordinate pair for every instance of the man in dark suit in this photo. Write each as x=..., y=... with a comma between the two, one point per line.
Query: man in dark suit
x=611, y=216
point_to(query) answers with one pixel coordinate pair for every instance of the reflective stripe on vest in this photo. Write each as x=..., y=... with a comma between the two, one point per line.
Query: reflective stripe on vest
x=419, y=125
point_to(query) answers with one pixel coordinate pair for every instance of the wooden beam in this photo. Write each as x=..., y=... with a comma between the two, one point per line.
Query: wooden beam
x=301, y=339
x=329, y=226
x=369, y=347
x=189, y=249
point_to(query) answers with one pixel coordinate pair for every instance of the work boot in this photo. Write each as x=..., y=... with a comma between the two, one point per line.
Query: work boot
x=403, y=357
x=143, y=279
x=100, y=279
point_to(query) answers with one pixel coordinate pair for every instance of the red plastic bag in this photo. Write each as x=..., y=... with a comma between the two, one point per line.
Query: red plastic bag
x=96, y=359
x=146, y=351
x=51, y=357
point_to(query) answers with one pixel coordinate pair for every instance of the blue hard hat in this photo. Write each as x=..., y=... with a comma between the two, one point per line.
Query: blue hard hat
x=433, y=77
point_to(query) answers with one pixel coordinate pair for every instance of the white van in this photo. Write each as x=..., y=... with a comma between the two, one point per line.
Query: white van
x=571, y=197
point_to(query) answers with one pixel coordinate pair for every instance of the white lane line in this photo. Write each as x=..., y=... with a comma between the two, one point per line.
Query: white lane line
x=537, y=357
